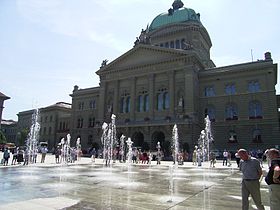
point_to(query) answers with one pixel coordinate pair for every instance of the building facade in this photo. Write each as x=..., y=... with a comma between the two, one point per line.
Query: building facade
x=168, y=78
x=2, y=99
x=54, y=123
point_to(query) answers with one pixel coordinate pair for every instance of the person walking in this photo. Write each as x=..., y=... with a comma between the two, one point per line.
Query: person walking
x=15, y=156
x=6, y=156
x=237, y=158
x=273, y=178
x=44, y=151
x=250, y=185
x=93, y=154
x=225, y=157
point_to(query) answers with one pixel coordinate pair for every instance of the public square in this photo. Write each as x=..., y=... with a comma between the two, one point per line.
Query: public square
x=87, y=185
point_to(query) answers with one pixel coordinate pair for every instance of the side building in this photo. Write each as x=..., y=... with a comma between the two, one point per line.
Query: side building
x=168, y=78
x=54, y=124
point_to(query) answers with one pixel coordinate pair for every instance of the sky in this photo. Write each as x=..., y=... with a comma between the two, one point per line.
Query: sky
x=48, y=46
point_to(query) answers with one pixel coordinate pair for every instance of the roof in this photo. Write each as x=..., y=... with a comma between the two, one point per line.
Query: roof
x=61, y=104
x=4, y=96
x=178, y=14
x=8, y=122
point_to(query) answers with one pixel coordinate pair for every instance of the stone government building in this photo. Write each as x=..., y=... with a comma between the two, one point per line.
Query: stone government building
x=168, y=77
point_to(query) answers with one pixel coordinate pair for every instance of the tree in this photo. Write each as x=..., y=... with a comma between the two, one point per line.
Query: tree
x=23, y=136
x=3, y=139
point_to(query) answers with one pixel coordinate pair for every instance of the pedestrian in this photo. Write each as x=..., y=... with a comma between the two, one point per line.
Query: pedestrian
x=159, y=155
x=212, y=159
x=15, y=156
x=57, y=154
x=26, y=157
x=6, y=156
x=273, y=179
x=225, y=157
x=237, y=158
x=194, y=156
x=44, y=151
x=93, y=154
x=229, y=159
x=250, y=185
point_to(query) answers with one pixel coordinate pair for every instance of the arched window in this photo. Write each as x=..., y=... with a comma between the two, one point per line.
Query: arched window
x=140, y=103
x=166, y=100
x=160, y=101
x=231, y=112
x=255, y=110
x=146, y=103
x=127, y=108
x=257, y=137
x=163, y=100
x=210, y=111
x=122, y=107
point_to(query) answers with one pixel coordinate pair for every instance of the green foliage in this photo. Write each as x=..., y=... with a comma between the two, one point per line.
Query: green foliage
x=3, y=139
x=23, y=136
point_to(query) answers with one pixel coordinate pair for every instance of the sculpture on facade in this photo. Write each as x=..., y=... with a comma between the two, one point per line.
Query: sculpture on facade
x=104, y=63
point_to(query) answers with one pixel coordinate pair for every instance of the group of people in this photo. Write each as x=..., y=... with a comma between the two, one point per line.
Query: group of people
x=19, y=155
x=252, y=174
x=69, y=155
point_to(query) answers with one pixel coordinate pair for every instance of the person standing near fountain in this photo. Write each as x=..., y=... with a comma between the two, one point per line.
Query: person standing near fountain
x=225, y=157
x=6, y=156
x=250, y=185
x=194, y=156
x=44, y=151
x=273, y=178
x=158, y=153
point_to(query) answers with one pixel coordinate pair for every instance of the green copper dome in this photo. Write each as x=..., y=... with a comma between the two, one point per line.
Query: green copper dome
x=178, y=14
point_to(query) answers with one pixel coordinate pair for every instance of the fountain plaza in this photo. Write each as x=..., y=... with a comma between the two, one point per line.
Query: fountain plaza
x=87, y=185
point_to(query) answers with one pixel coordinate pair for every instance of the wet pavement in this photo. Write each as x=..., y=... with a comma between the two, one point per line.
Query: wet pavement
x=86, y=185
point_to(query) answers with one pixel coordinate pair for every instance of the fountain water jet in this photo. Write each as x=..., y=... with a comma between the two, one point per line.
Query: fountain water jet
x=65, y=149
x=121, y=152
x=175, y=144
x=129, y=154
x=205, y=139
x=33, y=137
x=109, y=139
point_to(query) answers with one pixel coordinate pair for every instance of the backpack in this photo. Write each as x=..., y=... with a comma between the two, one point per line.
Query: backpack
x=269, y=176
x=6, y=154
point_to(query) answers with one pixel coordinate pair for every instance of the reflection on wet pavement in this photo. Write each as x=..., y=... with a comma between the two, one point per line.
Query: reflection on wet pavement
x=140, y=187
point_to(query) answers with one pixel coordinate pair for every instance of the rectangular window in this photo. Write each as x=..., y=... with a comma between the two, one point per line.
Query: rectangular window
x=172, y=44
x=209, y=91
x=230, y=89
x=253, y=86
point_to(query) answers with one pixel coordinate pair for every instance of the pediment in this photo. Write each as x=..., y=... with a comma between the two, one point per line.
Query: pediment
x=143, y=55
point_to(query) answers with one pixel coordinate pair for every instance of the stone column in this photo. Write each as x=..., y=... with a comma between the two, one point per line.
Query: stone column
x=102, y=104
x=132, y=98
x=116, y=98
x=171, y=92
x=151, y=80
x=189, y=92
